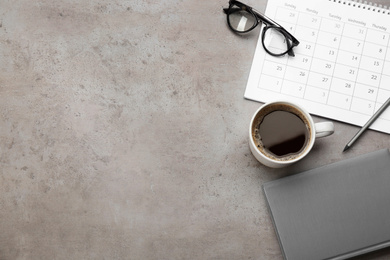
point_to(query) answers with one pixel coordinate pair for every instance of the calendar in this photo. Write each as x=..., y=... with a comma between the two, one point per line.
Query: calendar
x=341, y=68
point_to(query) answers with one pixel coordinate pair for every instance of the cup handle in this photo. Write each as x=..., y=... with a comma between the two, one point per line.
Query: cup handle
x=324, y=129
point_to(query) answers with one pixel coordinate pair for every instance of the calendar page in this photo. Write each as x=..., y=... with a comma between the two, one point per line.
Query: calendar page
x=341, y=68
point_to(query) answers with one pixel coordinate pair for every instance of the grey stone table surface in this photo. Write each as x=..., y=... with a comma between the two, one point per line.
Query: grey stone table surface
x=124, y=134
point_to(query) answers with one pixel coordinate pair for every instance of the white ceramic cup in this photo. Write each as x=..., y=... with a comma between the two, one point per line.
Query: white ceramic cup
x=316, y=130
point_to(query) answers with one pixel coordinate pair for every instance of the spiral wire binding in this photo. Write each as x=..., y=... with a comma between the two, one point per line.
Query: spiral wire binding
x=365, y=5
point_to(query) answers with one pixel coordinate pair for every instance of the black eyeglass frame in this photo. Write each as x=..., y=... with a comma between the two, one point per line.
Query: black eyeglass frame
x=291, y=41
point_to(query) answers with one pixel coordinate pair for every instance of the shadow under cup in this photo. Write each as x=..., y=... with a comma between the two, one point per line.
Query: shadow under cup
x=282, y=132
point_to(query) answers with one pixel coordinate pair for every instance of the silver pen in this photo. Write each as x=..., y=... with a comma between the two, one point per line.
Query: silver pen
x=369, y=122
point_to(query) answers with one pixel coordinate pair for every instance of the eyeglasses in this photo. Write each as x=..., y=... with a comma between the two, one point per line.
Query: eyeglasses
x=276, y=40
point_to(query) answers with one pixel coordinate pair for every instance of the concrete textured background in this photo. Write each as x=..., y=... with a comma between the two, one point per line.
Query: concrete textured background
x=123, y=134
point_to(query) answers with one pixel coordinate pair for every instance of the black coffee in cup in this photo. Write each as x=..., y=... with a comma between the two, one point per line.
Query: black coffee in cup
x=281, y=132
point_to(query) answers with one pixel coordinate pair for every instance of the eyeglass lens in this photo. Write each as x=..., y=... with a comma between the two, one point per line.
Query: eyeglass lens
x=241, y=20
x=275, y=41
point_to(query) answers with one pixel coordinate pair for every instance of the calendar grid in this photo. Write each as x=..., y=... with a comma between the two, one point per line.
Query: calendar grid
x=310, y=64
x=332, y=77
x=306, y=81
x=361, y=54
x=341, y=67
x=341, y=63
x=382, y=70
